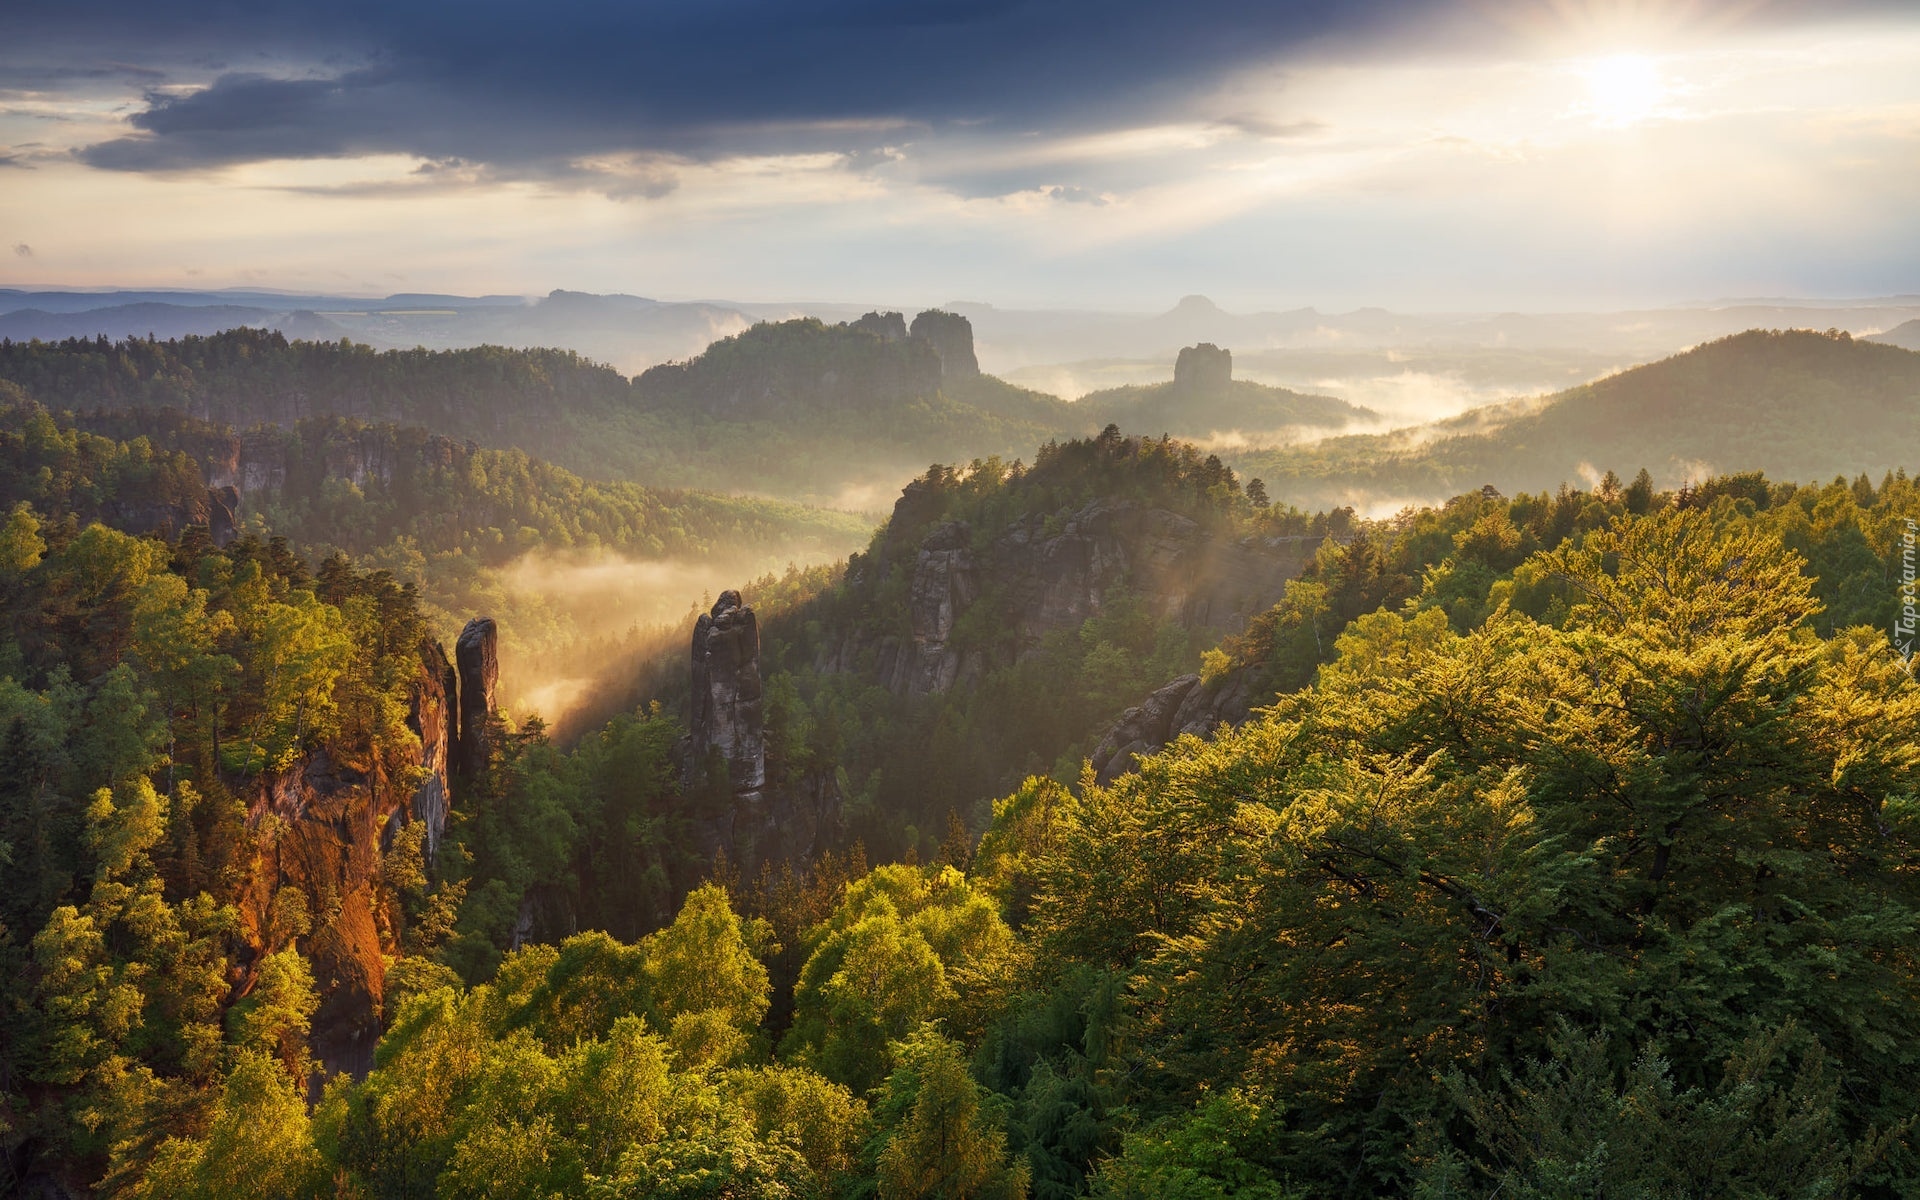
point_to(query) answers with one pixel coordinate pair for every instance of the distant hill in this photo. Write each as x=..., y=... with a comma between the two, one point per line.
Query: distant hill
x=1905, y=336
x=1798, y=405
x=162, y=320
x=797, y=408
x=630, y=332
x=1204, y=400
x=838, y=414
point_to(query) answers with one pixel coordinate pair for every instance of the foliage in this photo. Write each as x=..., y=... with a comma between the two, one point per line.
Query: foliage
x=554, y=1079
x=1678, y=818
x=943, y=1143
x=1019, y=706
x=907, y=945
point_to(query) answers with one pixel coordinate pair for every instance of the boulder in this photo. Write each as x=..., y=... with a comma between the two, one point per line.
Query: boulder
x=1141, y=729
x=1186, y=705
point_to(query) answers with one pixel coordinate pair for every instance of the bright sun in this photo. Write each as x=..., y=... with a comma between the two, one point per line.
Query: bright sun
x=1623, y=89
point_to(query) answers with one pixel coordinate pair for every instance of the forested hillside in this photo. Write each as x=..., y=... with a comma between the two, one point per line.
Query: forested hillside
x=798, y=408
x=1005, y=615
x=448, y=518
x=1797, y=405
x=1204, y=400
x=1588, y=865
x=836, y=414
x=1106, y=829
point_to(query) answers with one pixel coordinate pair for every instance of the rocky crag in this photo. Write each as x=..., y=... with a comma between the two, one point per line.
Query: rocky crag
x=1043, y=573
x=724, y=754
x=324, y=823
x=433, y=714
x=1188, y=704
x=477, y=664
x=728, y=723
x=776, y=370
x=1204, y=368
x=951, y=336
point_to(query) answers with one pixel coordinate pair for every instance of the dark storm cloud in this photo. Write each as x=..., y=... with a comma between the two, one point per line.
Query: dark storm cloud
x=535, y=86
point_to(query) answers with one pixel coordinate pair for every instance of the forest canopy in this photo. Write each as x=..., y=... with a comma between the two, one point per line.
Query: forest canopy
x=1551, y=844
x=1601, y=878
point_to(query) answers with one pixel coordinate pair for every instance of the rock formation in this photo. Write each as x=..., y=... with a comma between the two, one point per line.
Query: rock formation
x=433, y=713
x=951, y=336
x=1205, y=368
x=747, y=817
x=727, y=714
x=945, y=584
x=223, y=514
x=777, y=370
x=1049, y=574
x=333, y=816
x=330, y=819
x=1186, y=705
x=888, y=327
x=477, y=659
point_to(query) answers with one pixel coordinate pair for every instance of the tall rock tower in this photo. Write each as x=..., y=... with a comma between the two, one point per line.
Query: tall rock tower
x=951, y=336
x=1205, y=368
x=433, y=712
x=727, y=709
x=476, y=657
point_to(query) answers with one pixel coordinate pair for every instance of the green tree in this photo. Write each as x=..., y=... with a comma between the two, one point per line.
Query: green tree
x=1574, y=1124
x=1212, y=1153
x=944, y=1140
x=258, y=1145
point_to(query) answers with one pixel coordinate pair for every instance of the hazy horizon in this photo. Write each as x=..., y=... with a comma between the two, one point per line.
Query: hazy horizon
x=533, y=293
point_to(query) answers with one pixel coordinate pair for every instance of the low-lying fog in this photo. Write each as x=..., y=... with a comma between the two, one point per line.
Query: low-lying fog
x=571, y=622
x=1405, y=386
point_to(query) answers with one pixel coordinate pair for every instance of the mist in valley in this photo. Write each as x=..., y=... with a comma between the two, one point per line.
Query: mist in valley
x=584, y=635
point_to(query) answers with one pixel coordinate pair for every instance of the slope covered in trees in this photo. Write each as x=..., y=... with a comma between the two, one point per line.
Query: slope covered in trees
x=1241, y=405
x=797, y=408
x=1005, y=615
x=1565, y=844
x=1796, y=405
x=1607, y=886
x=447, y=517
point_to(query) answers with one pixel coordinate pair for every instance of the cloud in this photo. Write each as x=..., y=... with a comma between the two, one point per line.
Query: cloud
x=529, y=92
x=1041, y=150
x=507, y=83
x=1076, y=195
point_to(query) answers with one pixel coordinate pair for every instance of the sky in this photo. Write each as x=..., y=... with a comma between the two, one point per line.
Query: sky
x=1459, y=155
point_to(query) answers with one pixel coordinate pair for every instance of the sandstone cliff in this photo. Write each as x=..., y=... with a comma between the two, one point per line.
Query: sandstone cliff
x=888, y=327
x=725, y=752
x=1042, y=573
x=321, y=827
x=951, y=336
x=1186, y=705
x=1204, y=368
x=477, y=662
x=434, y=716
x=788, y=369
x=727, y=717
